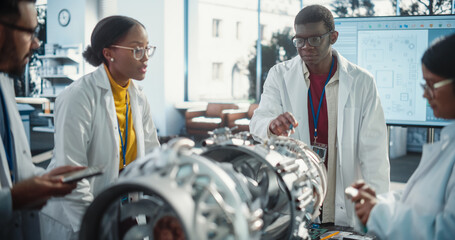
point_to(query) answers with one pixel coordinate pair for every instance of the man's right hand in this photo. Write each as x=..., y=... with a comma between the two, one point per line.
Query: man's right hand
x=34, y=192
x=281, y=126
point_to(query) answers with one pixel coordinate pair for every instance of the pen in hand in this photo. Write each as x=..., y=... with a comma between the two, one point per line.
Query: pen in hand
x=290, y=130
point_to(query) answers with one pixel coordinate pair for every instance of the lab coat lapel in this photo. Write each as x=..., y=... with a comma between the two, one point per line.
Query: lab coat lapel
x=430, y=152
x=102, y=81
x=136, y=104
x=5, y=179
x=21, y=145
x=344, y=89
x=298, y=96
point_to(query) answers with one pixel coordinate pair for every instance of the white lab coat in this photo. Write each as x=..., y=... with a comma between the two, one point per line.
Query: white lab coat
x=426, y=207
x=86, y=134
x=18, y=224
x=361, y=130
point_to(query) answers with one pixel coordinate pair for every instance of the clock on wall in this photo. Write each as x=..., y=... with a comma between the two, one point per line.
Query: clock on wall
x=64, y=17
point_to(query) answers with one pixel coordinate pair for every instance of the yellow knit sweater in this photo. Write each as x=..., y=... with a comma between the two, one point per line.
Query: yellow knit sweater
x=120, y=96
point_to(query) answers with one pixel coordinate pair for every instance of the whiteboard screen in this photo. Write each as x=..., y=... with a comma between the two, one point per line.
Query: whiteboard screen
x=390, y=48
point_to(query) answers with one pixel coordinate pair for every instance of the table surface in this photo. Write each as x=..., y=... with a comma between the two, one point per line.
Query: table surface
x=319, y=231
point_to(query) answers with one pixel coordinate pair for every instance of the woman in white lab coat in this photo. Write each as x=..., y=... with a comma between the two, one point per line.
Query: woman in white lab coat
x=102, y=119
x=426, y=207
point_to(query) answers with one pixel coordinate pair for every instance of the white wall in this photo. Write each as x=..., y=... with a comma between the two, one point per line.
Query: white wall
x=163, y=20
x=163, y=83
x=83, y=19
x=74, y=33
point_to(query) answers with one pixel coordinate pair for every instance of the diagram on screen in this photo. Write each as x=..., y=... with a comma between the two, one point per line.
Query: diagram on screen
x=393, y=57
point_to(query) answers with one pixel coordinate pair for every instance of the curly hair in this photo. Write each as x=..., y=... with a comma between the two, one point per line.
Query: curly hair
x=314, y=14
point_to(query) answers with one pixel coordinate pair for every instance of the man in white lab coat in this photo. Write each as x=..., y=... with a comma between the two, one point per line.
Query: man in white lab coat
x=331, y=104
x=22, y=191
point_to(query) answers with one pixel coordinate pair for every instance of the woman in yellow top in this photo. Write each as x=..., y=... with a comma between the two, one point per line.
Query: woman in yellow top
x=102, y=119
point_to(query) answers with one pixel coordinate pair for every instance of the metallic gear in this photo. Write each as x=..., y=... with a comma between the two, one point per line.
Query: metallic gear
x=205, y=199
x=285, y=174
x=235, y=188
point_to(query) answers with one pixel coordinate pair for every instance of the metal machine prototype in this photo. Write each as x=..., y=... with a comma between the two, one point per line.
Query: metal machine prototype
x=287, y=177
x=235, y=188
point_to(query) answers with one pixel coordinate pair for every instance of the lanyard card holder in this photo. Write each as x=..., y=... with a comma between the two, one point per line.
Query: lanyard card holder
x=320, y=149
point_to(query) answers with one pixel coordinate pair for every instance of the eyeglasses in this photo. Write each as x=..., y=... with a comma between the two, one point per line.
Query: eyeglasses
x=313, y=41
x=430, y=90
x=33, y=32
x=138, y=52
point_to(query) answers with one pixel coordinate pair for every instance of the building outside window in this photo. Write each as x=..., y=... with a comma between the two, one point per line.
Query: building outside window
x=263, y=33
x=233, y=28
x=238, y=30
x=217, y=70
x=216, y=25
x=234, y=48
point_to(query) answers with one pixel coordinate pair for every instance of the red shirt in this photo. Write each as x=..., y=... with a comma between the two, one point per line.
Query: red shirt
x=317, y=83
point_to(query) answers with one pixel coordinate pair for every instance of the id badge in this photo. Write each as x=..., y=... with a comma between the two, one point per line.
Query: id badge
x=320, y=149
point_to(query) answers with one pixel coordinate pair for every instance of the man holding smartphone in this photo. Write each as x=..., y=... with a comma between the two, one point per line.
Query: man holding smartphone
x=23, y=188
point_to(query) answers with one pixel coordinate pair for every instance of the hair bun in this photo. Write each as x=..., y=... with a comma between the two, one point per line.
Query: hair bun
x=91, y=57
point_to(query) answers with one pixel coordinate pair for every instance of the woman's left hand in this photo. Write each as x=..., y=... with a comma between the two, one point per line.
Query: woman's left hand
x=364, y=201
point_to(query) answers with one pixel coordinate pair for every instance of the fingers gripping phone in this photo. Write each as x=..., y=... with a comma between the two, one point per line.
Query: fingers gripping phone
x=81, y=174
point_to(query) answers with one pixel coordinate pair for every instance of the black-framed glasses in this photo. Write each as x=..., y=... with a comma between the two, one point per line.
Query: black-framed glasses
x=313, y=41
x=430, y=89
x=139, y=52
x=32, y=31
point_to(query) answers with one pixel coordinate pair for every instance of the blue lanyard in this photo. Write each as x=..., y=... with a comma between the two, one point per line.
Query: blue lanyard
x=315, y=118
x=124, y=146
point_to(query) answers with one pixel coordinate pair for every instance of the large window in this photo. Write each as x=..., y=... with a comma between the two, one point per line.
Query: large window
x=218, y=65
x=222, y=38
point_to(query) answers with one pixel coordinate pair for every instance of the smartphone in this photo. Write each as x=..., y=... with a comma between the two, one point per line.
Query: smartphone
x=351, y=192
x=81, y=174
